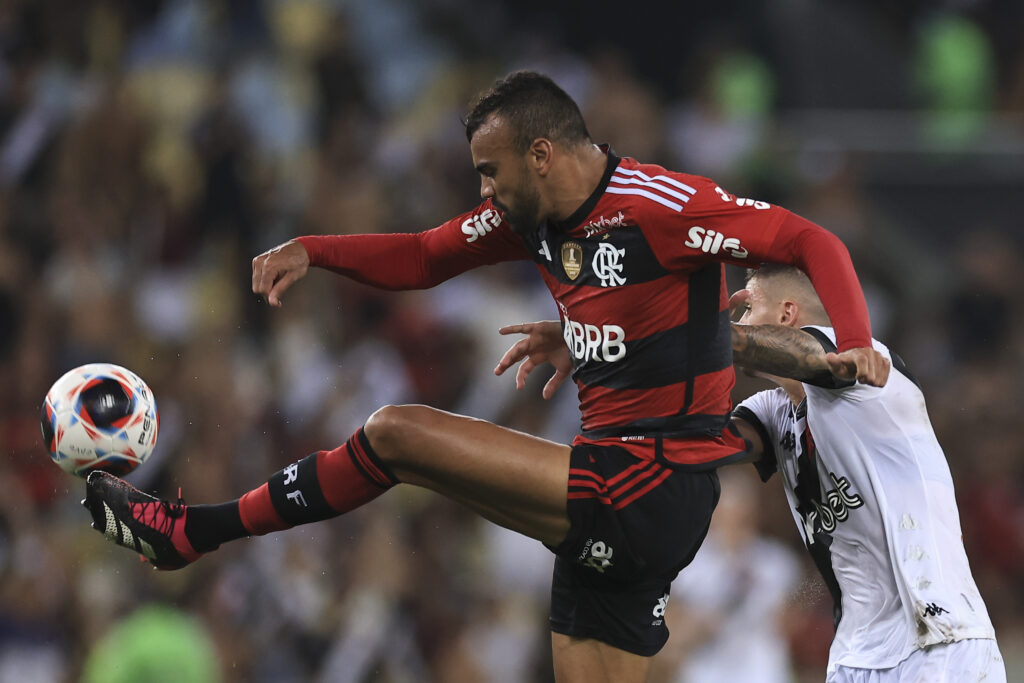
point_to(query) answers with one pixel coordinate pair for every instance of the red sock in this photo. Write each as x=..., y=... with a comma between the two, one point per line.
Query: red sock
x=320, y=486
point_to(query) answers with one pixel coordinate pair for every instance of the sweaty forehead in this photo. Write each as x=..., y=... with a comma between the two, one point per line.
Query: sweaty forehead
x=492, y=137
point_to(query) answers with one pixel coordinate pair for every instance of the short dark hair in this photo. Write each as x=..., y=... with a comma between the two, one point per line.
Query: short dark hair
x=798, y=286
x=534, y=106
x=767, y=270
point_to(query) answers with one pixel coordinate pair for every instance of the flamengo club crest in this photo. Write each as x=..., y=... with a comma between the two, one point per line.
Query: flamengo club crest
x=607, y=265
x=572, y=259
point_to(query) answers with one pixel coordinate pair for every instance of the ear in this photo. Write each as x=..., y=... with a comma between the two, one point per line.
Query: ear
x=540, y=156
x=790, y=313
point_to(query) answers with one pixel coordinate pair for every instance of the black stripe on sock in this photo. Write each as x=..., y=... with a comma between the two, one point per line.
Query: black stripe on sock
x=296, y=494
x=207, y=526
x=374, y=458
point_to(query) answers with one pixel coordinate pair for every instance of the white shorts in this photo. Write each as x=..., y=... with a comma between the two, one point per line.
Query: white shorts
x=965, y=660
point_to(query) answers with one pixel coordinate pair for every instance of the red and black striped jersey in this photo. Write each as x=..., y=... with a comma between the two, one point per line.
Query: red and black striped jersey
x=637, y=274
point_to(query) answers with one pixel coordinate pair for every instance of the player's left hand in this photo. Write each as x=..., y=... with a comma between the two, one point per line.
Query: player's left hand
x=866, y=365
x=277, y=269
x=543, y=344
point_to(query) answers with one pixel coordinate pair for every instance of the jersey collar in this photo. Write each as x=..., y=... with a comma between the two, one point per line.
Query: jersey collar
x=586, y=207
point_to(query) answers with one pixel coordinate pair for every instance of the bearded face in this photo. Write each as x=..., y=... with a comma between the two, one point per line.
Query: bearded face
x=521, y=204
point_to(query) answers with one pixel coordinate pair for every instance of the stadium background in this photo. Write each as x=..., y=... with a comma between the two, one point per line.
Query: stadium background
x=150, y=148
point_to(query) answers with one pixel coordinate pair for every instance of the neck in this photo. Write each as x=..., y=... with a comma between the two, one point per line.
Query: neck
x=575, y=179
x=793, y=389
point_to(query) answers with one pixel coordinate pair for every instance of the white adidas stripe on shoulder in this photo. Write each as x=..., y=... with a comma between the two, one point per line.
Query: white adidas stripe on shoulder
x=644, y=193
x=654, y=188
x=671, y=181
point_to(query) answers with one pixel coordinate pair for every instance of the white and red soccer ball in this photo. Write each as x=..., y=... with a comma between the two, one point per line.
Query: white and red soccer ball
x=99, y=416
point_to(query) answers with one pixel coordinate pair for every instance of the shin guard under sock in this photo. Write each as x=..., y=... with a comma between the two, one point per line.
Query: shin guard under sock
x=320, y=486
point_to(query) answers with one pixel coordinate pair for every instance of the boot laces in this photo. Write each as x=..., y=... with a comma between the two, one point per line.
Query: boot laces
x=159, y=515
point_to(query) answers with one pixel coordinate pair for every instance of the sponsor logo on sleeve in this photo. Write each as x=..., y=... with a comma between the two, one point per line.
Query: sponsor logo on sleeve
x=741, y=201
x=479, y=224
x=713, y=242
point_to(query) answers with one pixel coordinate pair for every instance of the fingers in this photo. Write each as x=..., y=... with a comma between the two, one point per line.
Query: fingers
x=525, y=368
x=515, y=353
x=522, y=328
x=274, y=271
x=867, y=366
x=259, y=269
x=274, y=297
x=872, y=367
x=841, y=366
x=553, y=384
x=879, y=373
x=542, y=327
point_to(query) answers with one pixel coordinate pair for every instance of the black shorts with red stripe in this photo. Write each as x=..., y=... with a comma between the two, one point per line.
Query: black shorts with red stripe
x=634, y=524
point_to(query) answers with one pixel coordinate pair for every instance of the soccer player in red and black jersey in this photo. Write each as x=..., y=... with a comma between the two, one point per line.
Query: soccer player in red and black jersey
x=633, y=255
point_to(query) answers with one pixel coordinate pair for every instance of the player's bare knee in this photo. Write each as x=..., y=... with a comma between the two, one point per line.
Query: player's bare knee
x=389, y=430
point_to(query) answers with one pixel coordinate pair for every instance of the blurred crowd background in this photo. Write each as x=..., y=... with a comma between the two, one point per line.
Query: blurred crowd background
x=150, y=148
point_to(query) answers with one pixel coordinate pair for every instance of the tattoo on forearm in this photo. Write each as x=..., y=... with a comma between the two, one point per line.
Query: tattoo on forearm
x=779, y=350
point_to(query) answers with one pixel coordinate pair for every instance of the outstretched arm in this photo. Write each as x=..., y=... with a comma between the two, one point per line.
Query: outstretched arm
x=392, y=261
x=772, y=349
x=788, y=352
x=779, y=350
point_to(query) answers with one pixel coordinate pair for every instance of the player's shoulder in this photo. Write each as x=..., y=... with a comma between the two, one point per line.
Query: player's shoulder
x=629, y=167
x=656, y=189
x=826, y=336
x=765, y=405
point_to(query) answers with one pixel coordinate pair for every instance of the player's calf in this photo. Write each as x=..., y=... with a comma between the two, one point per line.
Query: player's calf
x=171, y=535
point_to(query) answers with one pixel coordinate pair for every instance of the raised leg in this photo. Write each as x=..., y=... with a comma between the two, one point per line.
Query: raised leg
x=511, y=478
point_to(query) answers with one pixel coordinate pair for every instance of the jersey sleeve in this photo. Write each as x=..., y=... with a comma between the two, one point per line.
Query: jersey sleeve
x=759, y=411
x=844, y=390
x=827, y=380
x=419, y=260
x=715, y=225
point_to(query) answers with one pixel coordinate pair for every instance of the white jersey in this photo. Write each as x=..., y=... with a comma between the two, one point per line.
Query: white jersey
x=872, y=495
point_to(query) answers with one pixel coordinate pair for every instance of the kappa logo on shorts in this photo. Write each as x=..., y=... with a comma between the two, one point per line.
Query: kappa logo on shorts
x=596, y=555
x=659, y=610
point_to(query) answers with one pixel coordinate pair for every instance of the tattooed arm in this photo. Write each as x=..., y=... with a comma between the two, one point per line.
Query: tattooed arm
x=789, y=352
x=771, y=349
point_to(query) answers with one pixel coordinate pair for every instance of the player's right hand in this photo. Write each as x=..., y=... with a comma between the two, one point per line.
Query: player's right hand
x=866, y=365
x=275, y=270
x=543, y=344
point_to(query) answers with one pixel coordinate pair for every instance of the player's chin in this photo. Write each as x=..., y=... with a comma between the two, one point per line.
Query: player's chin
x=522, y=227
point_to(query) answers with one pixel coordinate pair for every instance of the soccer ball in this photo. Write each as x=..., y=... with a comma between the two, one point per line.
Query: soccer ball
x=99, y=417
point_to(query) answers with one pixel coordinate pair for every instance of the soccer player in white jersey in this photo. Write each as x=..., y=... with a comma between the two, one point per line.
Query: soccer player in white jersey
x=872, y=496
x=867, y=481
